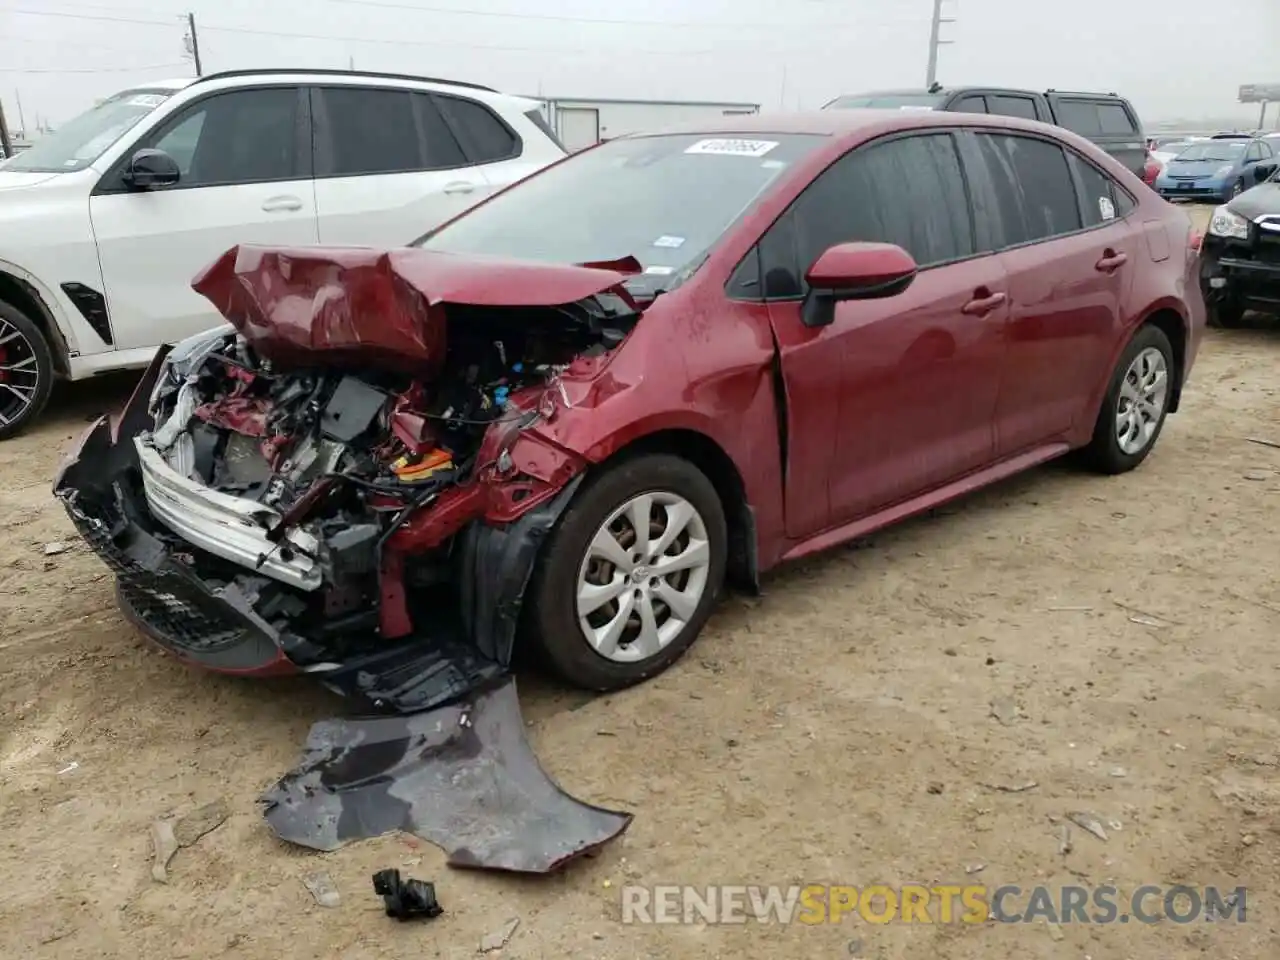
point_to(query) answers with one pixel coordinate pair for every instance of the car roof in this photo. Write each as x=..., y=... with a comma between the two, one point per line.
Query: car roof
x=232, y=78
x=848, y=123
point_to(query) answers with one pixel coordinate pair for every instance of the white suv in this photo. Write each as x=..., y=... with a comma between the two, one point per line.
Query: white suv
x=104, y=223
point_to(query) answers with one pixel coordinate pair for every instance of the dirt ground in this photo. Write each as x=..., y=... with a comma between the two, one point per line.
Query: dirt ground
x=838, y=730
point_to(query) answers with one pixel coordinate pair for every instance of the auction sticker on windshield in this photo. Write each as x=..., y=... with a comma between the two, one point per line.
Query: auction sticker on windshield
x=737, y=148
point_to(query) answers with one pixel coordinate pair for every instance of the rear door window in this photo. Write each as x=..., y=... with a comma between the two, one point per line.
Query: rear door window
x=1035, y=193
x=1010, y=106
x=1079, y=116
x=1102, y=200
x=974, y=103
x=367, y=131
x=908, y=191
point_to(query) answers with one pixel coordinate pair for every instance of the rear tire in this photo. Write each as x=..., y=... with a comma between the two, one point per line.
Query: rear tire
x=650, y=617
x=1135, y=406
x=26, y=371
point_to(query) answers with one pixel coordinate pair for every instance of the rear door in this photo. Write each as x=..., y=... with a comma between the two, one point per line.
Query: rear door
x=1069, y=255
x=897, y=395
x=245, y=163
x=1110, y=122
x=388, y=166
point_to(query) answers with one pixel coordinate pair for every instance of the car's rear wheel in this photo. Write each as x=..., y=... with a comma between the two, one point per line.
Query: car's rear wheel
x=26, y=371
x=1136, y=405
x=631, y=573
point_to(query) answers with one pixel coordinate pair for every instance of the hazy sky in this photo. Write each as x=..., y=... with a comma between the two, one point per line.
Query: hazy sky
x=1173, y=58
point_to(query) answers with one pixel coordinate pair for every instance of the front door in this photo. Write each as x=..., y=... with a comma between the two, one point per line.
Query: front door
x=896, y=396
x=244, y=157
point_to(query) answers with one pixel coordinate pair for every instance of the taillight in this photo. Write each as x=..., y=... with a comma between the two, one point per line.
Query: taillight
x=1196, y=239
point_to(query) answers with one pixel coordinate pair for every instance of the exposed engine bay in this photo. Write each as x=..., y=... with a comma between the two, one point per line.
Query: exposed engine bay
x=329, y=461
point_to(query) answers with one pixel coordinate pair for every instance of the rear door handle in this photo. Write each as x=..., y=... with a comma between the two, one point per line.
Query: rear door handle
x=460, y=186
x=980, y=306
x=281, y=204
x=1111, y=261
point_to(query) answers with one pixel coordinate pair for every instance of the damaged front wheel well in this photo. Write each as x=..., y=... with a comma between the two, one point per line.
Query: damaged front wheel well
x=707, y=455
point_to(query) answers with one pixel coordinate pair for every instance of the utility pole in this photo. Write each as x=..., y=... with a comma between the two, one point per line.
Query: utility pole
x=351, y=64
x=5, y=142
x=193, y=42
x=22, y=121
x=1262, y=120
x=935, y=41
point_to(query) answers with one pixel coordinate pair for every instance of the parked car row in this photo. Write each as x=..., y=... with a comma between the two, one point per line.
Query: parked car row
x=571, y=414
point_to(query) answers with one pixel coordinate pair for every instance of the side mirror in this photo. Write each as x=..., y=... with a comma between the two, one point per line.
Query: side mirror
x=855, y=271
x=151, y=168
x=1263, y=171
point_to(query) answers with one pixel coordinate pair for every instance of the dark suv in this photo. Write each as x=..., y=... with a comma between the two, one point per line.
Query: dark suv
x=1240, y=254
x=1107, y=119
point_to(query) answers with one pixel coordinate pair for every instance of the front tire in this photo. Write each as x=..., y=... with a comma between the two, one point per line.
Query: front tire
x=631, y=573
x=26, y=371
x=1136, y=404
x=1227, y=312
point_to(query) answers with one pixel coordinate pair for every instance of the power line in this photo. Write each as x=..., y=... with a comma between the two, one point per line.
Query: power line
x=90, y=16
x=153, y=66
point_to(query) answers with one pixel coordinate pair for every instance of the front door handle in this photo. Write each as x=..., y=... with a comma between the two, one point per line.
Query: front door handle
x=1111, y=261
x=460, y=186
x=281, y=204
x=983, y=303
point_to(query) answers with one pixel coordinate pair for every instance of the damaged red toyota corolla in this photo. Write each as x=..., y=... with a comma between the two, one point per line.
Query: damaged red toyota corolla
x=568, y=416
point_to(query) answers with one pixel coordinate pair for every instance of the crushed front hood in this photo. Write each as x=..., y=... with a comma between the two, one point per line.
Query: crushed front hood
x=365, y=305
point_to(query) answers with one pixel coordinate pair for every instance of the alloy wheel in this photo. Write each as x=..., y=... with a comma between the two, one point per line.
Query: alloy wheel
x=1143, y=395
x=642, y=579
x=19, y=373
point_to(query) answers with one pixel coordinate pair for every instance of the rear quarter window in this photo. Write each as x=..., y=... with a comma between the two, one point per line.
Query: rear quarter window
x=1114, y=118
x=485, y=138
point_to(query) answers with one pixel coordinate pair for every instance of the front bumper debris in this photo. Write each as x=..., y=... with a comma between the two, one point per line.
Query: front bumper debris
x=226, y=526
x=453, y=766
x=462, y=777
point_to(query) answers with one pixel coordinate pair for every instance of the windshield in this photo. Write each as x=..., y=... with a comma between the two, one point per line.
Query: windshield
x=1225, y=151
x=664, y=200
x=879, y=101
x=78, y=143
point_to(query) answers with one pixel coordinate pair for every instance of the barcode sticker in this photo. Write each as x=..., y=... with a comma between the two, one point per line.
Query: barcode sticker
x=736, y=148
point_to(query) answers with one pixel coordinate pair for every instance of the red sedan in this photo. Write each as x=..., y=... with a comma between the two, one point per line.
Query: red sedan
x=571, y=415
